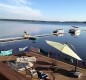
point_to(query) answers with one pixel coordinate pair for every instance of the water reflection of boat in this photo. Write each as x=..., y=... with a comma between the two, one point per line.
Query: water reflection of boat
x=62, y=34
x=74, y=30
x=75, y=34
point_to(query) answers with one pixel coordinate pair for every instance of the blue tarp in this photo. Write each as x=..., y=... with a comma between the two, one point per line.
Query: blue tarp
x=6, y=53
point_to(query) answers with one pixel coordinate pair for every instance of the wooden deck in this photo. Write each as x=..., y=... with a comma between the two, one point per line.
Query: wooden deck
x=43, y=64
x=6, y=73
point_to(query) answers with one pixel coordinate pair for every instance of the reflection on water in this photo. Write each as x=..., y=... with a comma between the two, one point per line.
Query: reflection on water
x=10, y=29
x=75, y=34
x=62, y=34
x=13, y=29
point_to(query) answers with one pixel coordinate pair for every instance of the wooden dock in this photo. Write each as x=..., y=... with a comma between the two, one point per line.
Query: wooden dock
x=10, y=39
x=28, y=37
x=43, y=64
x=6, y=73
x=23, y=37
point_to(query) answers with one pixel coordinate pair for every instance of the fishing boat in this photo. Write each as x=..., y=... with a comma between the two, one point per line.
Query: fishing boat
x=74, y=29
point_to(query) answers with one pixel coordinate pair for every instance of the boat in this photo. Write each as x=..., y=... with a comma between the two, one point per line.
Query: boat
x=58, y=31
x=28, y=36
x=74, y=29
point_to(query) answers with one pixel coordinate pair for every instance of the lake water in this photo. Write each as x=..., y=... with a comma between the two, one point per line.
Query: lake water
x=14, y=28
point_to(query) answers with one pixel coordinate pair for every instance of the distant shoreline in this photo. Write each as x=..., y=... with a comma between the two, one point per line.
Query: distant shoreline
x=22, y=20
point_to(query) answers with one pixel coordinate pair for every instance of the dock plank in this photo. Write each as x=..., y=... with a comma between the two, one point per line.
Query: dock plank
x=6, y=73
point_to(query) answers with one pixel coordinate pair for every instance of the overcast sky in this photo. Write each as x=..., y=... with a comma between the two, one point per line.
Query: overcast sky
x=59, y=10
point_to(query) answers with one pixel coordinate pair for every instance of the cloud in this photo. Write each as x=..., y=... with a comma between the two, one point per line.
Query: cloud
x=21, y=9
x=16, y=2
x=18, y=9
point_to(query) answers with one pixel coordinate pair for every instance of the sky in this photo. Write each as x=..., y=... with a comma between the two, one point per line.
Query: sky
x=48, y=10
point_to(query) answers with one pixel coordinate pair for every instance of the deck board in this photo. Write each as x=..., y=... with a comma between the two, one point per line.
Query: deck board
x=6, y=73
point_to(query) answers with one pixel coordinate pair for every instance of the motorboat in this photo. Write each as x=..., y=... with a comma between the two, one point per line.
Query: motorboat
x=74, y=30
x=26, y=35
x=58, y=31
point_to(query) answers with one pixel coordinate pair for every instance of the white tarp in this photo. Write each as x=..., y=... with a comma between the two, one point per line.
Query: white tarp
x=26, y=59
x=23, y=49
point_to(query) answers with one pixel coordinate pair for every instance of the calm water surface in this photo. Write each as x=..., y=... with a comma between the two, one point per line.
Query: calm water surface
x=13, y=28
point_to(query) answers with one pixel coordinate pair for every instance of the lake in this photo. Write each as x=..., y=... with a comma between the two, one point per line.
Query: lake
x=14, y=28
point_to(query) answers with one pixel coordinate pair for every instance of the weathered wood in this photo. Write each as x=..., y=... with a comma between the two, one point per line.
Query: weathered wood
x=12, y=57
x=6, y=73
x=63, y=67
x=7, y=58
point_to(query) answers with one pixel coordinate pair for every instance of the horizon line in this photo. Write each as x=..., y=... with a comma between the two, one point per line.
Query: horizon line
x=38, y=20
